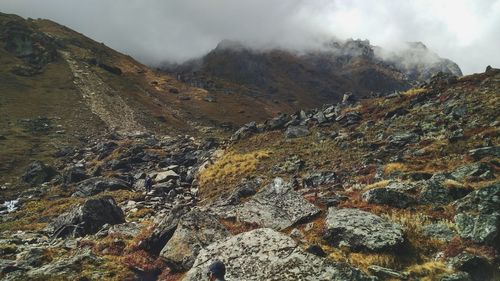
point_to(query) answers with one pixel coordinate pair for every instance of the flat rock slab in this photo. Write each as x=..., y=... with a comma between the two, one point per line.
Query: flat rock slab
x=360, y=230
x=277, y=206
x=195, y=230
x=265, y=254
x=97, y=185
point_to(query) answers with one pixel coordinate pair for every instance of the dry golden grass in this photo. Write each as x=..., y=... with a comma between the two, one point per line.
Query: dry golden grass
x=395, y=167
x=428, y=271
x=231, y=167
x=414, y=92
x=378, y=184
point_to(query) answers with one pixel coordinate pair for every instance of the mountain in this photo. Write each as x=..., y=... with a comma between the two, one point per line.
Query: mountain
x=110, y=170
x=58, y=87
x=284, y=81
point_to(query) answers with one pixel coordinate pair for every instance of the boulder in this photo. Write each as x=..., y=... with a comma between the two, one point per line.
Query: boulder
x=166, y=176
x=87, y=218
x=479, y=153
x=97, y=185
x=388, y=196
x=438, y=231
x=276, y=206
x=319, y=178
x=477, y=170
x=296, y=132
x=434, y=192
x=478, y=268
x=163, y=231
x=360, y=230
x=478, y=215
x=195, y=231
x=245, y=131
x=402, y=139
x=38, y=173
x=265, y=254
x=277, y=122
x=74, y=175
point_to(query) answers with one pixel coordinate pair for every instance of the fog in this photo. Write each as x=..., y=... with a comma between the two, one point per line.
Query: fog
x=155, y=31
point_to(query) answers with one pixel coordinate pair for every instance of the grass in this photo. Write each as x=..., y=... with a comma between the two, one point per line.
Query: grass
x=230, y=168
x=411, y=93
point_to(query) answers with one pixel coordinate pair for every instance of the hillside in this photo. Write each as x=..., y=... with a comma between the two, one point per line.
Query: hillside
x=58, y=87
x=400, y=187
x=284, y=81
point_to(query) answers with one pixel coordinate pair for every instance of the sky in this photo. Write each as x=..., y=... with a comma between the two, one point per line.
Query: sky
x=155, y=31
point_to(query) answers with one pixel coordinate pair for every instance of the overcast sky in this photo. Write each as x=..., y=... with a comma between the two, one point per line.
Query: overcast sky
x=466, y=31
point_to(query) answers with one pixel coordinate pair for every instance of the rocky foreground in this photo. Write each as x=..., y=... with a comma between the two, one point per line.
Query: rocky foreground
x=402, y=187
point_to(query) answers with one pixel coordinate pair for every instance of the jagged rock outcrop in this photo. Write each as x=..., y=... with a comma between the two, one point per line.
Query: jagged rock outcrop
x=194, y=231
x=87, y=218
x=276, y=206
x=38, y=173
x=478, y=216
x=265, y=254
x=97, y=185
x=360, y=230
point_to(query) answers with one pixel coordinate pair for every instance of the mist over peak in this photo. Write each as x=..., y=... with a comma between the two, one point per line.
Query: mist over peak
x=157, y=31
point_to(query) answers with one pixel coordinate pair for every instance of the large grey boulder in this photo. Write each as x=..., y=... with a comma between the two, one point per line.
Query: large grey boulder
x=388, y=196
x=277, y=206
x=97, y=185
x=87, y=218
x=195, y=230
x=471, y=171
x=478, y=215
x=360, y=230
x=37, y=173
x=265, y=254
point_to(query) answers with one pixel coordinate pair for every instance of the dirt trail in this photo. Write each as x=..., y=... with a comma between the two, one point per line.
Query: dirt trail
x=102, y=100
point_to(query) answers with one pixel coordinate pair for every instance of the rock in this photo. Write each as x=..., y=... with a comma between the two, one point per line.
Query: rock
x=195, y=231
x=490, y=151
x=387, y=273
x=388, y=196
x=320, y=117
x=277, y=122
x=2, y=137
x=265, y=254
x=438, y=231
x=245, y=131
x=245, y=189
x=433, y=191
x=210, y=99
x=292, y=165
x=276, y=206
x=402, y=139
x=97, y=185
x=166, y=176
x=33, y=257
x=319, y=178
x=458, y=276
x=38, y=173
x=474, y=170
x=349, y=118
x=163, y=231
x=74, y=175
x=296, y=132
x=400, y=111
x=478, y=216
x=361, y=230
x=87, y=218
x=478, y=268
x=65, y=267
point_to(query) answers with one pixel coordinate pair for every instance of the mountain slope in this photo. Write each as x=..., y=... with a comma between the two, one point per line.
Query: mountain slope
x=285, y=81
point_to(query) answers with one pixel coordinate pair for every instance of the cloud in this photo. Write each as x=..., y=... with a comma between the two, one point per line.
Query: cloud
x=153, y=31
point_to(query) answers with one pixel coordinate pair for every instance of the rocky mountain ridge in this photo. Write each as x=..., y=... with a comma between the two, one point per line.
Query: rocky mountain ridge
x=286, y=80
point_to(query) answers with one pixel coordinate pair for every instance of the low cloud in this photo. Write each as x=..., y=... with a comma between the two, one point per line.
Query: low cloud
x=155, y=31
